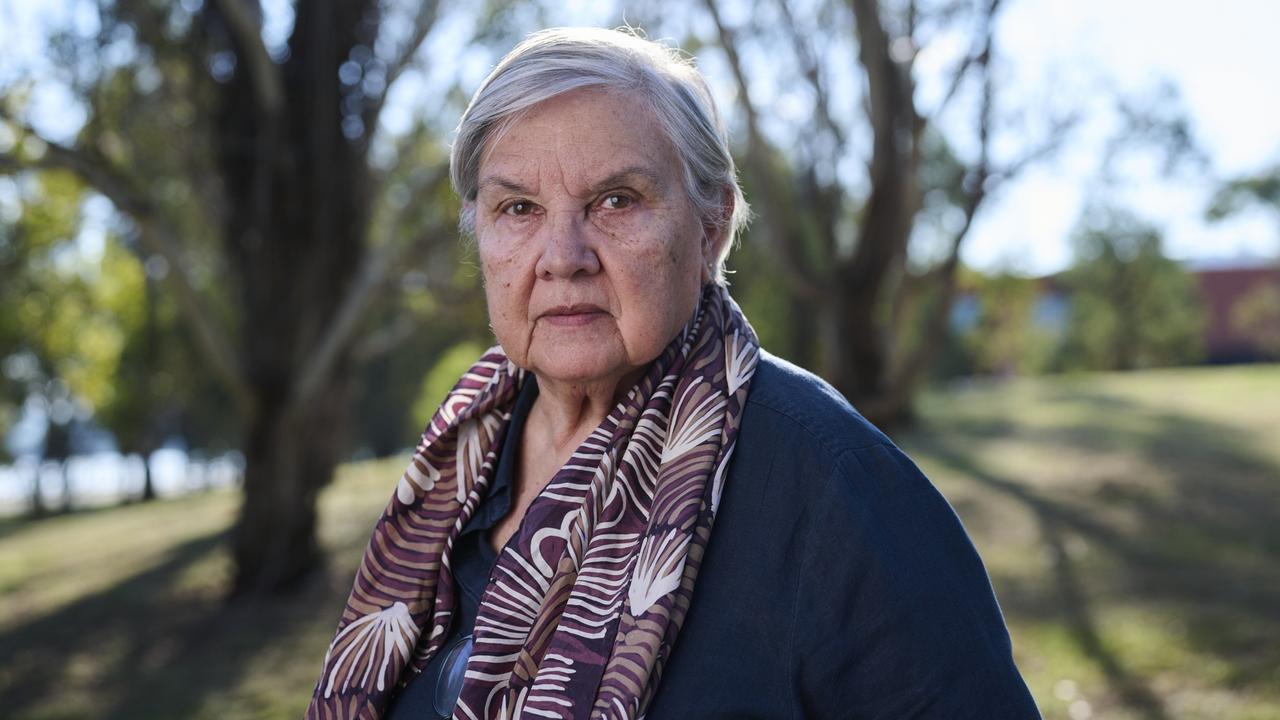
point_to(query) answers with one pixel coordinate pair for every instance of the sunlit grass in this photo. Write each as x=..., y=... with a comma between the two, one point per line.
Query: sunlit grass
x=119, y=613
x=47, y=564
x=1130, y=523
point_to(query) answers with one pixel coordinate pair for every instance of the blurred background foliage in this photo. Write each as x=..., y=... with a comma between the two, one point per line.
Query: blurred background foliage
x=232, y=241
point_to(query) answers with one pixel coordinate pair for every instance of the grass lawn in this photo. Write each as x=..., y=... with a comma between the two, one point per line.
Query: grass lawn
x=1131, y=525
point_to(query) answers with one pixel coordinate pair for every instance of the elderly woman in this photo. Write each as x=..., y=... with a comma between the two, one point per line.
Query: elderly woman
x=627, y=508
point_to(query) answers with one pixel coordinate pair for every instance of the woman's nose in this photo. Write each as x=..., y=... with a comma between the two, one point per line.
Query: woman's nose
x=566, y=247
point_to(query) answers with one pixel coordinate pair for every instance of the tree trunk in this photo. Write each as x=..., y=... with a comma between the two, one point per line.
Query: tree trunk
x=803, y=328
x=148, y=482
x=151, y=349
x=64, y=467
x=290, y=457
x=296, y=180
x=38, y=509
x=858, y=346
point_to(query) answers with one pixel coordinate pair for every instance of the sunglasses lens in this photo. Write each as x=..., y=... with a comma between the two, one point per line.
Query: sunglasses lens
x=451, y=675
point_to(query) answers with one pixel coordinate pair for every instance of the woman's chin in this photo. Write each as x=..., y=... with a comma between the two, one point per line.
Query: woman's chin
x=587, y=367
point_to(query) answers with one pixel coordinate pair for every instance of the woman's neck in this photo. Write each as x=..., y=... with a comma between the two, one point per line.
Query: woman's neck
x=562, y=417
x=565, y=413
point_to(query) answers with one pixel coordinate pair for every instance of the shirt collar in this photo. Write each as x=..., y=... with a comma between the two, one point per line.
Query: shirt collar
x=497, y=503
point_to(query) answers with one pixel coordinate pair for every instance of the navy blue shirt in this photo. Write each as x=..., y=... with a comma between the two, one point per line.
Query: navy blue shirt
x=837, y=583
x=472, y=561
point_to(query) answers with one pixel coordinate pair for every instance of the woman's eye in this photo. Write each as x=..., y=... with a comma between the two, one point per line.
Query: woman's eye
x=520, y=207
x=617, y=201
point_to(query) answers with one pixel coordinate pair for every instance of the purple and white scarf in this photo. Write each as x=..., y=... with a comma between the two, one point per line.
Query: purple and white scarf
x=588, y=596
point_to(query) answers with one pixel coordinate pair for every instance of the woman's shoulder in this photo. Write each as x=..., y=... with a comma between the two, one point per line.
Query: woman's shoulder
x=898, y=612
x=819, y=461
x=799, y=432
x=802, y=410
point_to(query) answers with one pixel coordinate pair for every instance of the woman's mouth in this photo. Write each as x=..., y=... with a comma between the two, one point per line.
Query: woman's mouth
x=573, y=315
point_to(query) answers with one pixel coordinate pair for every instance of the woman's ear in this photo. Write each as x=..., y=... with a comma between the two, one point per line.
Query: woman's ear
x=467, y=219
x=715, y=233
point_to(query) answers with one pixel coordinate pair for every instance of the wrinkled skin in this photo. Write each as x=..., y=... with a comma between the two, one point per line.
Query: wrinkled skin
x=581, y=207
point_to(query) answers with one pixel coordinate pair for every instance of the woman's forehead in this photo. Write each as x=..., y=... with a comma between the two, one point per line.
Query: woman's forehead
x=588, y=135
x=591, y=179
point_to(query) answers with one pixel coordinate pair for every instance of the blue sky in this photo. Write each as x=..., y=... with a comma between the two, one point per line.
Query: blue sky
x=1222, y=57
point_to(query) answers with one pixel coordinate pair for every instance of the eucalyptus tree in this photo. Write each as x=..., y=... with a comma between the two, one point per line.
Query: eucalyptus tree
x=243, y=154
x=864, y=166
x=1260, y=189
x=1132, y=306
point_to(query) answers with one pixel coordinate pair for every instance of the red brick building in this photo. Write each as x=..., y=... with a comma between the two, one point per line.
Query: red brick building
x=1223, y=290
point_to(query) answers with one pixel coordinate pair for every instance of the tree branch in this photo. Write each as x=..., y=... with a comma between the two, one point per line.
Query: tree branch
x=812, y=72
x=976, y=186
x=894, y=164
x=980, y=56
x=1058, y=131
x=369, y=279
x=793, y=269
x=884, y=91
x=264, y=74
x=97, y=173
x=388, y=337
x=428, y=13
x=385, y=339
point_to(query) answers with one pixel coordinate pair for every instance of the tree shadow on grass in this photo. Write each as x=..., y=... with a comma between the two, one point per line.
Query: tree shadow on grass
x=1201, y=540
x=12, y=524
x=149, y=651
x=1071, y=599
x=24, y=521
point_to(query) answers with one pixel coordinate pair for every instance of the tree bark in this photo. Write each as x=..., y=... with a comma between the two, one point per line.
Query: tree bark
x=290, y=196
x=865, y=281
x=38, y=509
x=64, y=468
x=860, y=303
x=298, y=199
x=289, y=457
x=148, y=482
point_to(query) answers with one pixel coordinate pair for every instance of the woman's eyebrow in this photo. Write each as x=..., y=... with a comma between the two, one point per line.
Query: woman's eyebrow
x=504, y=183
x=629, y=176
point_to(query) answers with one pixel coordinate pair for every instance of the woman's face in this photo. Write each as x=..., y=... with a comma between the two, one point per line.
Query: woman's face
x=593, y=257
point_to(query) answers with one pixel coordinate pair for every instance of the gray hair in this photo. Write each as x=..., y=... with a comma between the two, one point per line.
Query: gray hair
x=553, y=62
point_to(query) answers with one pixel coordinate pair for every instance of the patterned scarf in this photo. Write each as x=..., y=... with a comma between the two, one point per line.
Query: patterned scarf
x=588, y=597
